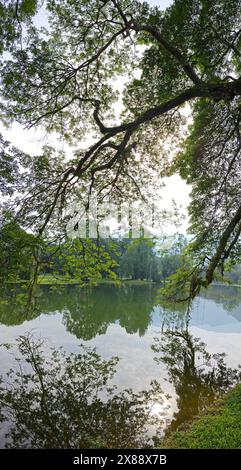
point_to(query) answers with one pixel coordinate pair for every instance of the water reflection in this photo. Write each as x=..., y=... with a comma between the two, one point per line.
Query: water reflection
x=65, y=400
x=51, y=390
x=198, y=376
x=55, y=399
x=93, y=312
x=229, y=297
x=13, y=310
x=89, y=312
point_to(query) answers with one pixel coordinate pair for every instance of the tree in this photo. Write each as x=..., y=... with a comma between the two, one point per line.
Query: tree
x=14, y=15
x=139, y=261
x=16, y=253
x=169, y=265
x=187, y=55
x=84, y=260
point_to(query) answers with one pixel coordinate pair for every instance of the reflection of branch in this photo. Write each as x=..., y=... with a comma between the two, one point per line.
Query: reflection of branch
x=34, y=361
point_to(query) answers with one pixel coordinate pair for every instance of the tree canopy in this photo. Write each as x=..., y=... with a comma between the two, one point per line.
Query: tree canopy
x=157, y=91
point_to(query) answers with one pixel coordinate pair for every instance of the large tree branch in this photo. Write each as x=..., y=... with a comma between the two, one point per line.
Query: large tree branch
x=216, y=92
x=202, y=276
x=152, y=113
x=222, y=246
x=173, y=51
x=110, y=132
x=167, y=46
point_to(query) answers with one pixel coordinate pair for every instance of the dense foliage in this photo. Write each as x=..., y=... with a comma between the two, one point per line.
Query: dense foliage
x=68, y=78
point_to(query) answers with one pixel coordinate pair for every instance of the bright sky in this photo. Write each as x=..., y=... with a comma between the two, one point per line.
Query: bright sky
x=160, y=3
x=32, y=140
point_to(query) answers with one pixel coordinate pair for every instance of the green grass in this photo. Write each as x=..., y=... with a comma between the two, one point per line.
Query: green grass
x=49, y=279
x=218, y=428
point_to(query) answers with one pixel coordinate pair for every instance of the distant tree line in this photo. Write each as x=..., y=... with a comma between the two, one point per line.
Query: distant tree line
x=134, y=259
x=126, y=258
x=88, y=260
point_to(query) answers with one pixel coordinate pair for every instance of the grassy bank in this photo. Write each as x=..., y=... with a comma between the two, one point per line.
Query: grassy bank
x=49, y=279
x=219, y=428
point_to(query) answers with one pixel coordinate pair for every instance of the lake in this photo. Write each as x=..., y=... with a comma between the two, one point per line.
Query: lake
x=192, y=356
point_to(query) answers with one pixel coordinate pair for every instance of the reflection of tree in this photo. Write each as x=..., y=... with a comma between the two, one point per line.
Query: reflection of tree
x=173, y=315
x=88, y=312
x=15, y=309
x=227, y=296
x=198, y=377
x=66, y=401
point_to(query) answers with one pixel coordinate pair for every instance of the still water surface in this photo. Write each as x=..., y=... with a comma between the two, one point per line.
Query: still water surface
x=123, y=321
